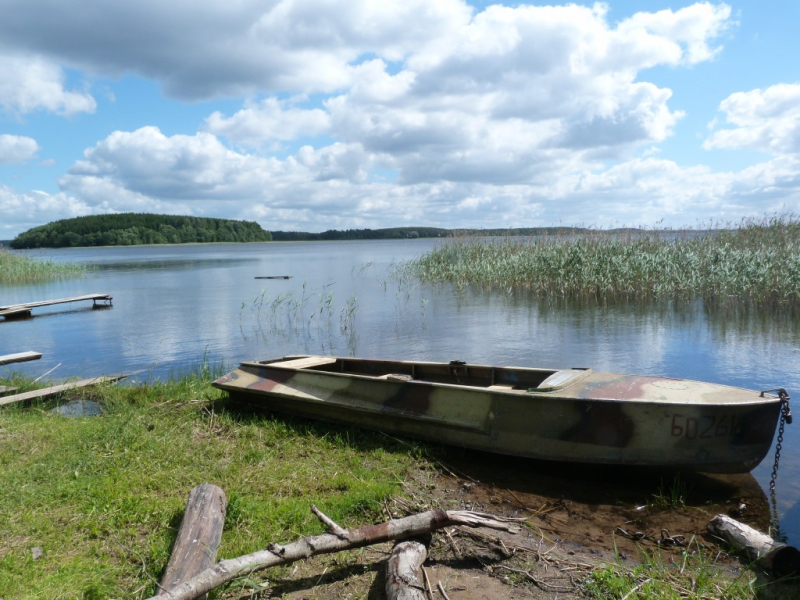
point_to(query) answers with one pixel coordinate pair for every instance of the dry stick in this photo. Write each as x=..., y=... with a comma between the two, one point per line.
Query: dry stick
x=429, y=589
x=636, y=588
x=539, y=583
x=337, y=540
x=442, y=592
x=453, y=544
x=46, y=374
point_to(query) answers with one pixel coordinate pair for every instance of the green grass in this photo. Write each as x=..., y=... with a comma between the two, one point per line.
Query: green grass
x=16, y=268
x=671, y=495
x=102, y=496
x=755, y=262
x=693, y=575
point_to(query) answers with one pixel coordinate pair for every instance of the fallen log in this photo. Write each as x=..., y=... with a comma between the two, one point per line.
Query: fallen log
x=780, y=559
x=336, y=540
x=403, y=581
x=199, y=535
x=57, y=389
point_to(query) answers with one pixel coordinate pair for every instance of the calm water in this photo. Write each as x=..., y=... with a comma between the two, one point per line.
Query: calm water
x=176, y=306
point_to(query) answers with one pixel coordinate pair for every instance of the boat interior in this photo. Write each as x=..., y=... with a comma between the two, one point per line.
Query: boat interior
x=455, y=372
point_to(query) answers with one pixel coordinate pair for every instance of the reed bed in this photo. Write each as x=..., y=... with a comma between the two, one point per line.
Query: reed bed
x=753, y=262
x=16, y=268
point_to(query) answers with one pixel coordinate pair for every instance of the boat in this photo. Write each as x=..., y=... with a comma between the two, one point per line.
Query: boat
x=573, y=415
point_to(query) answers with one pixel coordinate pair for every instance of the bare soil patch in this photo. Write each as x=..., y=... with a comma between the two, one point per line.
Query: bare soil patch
x=576, y=517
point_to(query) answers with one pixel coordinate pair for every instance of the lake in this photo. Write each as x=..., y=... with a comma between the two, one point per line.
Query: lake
x=176, y=307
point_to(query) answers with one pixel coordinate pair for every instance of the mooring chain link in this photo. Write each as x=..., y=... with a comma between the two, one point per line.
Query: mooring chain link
x=786, y=417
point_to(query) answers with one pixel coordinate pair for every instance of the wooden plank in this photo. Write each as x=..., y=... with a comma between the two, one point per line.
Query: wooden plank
x=7, y=359
x=303, y=363
x=5, y=389
x=57, y=389
x=28, y=305
x=199, y=535
x=25, y=309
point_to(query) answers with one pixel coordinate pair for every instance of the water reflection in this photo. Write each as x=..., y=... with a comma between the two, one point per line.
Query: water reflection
x=79, y=408
x=175, y=264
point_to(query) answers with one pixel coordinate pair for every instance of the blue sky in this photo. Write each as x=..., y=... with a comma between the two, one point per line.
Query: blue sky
x=318, y=114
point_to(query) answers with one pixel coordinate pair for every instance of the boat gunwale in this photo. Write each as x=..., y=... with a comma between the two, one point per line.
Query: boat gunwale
x=549, y=393
x=580, y=374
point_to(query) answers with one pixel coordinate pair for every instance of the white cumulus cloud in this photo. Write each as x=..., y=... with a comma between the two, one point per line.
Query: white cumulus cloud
x=17, y=149
x=30, y=83
x=33, y=208
x=268, y=121
x=765, y=120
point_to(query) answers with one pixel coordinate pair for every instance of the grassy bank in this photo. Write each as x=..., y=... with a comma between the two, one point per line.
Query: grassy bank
x=15, y=268
x=89, y=506
x=102, y=496
x=755, y=261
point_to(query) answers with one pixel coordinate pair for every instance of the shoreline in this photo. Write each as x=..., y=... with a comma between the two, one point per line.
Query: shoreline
x=121, y=479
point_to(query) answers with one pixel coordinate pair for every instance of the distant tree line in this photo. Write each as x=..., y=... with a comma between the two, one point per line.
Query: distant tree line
x=391, y=233
x=399, y=233
x=130, y=229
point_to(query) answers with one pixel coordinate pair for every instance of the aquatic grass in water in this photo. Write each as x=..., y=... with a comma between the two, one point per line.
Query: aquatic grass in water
x=754, y=262
x=16, y=268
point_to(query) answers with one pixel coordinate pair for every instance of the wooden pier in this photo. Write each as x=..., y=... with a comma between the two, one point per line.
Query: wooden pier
x=22, y=311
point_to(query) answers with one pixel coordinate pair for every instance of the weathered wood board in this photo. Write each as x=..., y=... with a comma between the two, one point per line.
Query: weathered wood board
x=199, y=536
x=57, y=389
x=7, y=359
x=25, y=308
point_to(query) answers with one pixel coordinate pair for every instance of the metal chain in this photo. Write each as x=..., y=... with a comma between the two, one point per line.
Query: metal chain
x=786, y=417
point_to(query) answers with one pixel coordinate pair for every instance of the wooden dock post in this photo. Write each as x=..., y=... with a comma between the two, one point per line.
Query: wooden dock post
x=199, y=535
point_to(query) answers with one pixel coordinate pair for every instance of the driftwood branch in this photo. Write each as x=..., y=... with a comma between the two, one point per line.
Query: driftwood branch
x=403, y=580
x=780, y=559
x=341, y=539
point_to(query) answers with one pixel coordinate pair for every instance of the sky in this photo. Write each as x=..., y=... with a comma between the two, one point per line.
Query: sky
x=308, y=115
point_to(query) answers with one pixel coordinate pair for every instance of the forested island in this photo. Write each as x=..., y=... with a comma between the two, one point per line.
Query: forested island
x=131, y=229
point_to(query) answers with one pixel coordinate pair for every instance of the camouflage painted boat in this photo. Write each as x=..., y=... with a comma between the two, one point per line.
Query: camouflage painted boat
x=568, y=415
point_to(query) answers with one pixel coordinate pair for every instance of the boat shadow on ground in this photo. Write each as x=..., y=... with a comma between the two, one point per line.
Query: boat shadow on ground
x=601, y=507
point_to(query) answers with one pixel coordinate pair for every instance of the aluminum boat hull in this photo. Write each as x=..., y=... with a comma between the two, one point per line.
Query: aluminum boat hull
x=575, y=415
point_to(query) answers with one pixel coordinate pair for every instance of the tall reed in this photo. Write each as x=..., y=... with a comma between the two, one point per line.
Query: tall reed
x=755, y=261
x=16, y=268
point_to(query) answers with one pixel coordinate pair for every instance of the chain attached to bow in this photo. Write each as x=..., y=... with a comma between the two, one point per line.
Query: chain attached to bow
x=786, y=417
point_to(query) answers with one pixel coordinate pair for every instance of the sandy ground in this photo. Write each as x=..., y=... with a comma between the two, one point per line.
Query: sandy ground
x=577, y=517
